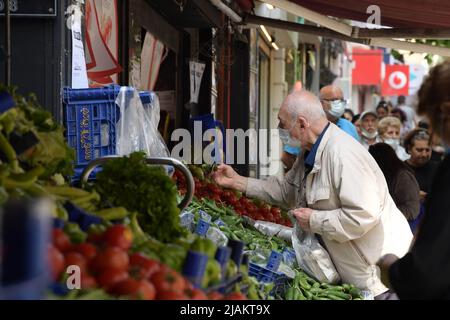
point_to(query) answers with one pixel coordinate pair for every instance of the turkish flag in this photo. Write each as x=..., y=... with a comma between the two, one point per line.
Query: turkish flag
x=366, y=66
x=396, y=80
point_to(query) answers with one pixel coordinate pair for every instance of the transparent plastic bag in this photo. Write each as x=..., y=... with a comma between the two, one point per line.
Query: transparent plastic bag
x=137, y=129
x=312, y=257
x=274, y=229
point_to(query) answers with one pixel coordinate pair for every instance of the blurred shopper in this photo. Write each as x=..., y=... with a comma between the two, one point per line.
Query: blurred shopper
x=402, y=184
x=423, y=273
x=398, y=113
x=369, y=128
x=411, y=117
x=389, y=133
x=417, y=143
x=382, y=110
x=348, y=115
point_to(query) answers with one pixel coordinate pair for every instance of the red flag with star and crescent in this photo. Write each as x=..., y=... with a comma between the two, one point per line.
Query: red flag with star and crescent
x=396, y=80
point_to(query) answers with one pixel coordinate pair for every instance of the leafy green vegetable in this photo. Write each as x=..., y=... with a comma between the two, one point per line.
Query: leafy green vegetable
x=131, y=183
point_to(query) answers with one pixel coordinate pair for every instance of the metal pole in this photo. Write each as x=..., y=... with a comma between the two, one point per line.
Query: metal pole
x=8, y=42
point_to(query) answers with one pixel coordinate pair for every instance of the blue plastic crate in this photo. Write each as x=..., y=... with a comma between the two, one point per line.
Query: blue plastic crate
x=90, y=117
x=269, y=272
x=202, y=228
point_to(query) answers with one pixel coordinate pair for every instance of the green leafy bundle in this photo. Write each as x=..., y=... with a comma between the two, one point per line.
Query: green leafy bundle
x=131, y=183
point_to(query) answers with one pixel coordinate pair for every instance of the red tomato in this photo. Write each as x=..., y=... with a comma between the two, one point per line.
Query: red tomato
x=61, y=240
x=215, y=295
x=95, y=238
x=109, y=277
x=87, y=281
x=171, y=295
x=136, y=289
x=119, y=236
x=111, y=257
x=270, y=217
x=196, y=294
x=264, y=211
x=235, y=296
x=76, y=259
x=168, y=281
x=87, y=250
x=259, y=217
x=56, y=260
x=275, y=211
x=143, y=266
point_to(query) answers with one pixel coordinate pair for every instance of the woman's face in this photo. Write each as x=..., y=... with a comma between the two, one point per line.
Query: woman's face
x=392, y=133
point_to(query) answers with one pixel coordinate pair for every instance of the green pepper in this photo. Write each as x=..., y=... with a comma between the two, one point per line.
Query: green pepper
x=112, y=213
x=7, y=149
x=290, y=293
x=74, y=232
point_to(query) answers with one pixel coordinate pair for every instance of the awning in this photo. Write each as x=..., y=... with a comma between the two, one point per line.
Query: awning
x=409, y=19
x=398, y=13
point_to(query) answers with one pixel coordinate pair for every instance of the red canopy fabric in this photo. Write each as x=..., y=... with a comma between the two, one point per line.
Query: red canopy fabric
x=394, y=13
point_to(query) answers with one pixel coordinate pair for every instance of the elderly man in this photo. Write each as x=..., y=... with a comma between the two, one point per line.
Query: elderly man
x=336, y=190
x=369, y=128
x=333, y=103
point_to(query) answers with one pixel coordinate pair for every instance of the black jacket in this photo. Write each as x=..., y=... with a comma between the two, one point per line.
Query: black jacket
x=424, y=272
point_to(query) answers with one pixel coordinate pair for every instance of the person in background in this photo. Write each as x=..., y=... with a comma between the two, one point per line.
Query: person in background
x=382, y=110
x=389, y=133
x=398, y=113
x=410, y=113
x=401, y=182
x=357, y=123
x=390, y=107
x=369, y=128
x=335, y=189
x=333, y=103
x=417, y=144
x=348, y=115
x=423, y=273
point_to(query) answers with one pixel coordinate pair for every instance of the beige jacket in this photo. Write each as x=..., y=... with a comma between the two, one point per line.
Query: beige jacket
x=353, y=210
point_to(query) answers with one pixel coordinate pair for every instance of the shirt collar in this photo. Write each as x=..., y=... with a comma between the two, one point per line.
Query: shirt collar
x=311, y=157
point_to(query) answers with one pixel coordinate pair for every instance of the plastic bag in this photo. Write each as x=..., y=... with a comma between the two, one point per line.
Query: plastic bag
x=274, y=229
x=137, y=129
x=312, y=257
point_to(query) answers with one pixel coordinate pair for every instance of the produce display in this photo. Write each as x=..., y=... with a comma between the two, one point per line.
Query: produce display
x=205, y=187
x=126, y=234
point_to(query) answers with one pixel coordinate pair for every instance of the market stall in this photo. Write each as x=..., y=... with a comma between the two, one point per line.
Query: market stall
x=134, y=226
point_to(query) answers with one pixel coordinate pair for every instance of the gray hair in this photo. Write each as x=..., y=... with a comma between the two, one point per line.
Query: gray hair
x=304, y=103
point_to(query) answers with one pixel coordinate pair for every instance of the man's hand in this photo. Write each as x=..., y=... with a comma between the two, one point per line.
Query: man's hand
x=303, y=215
x=385, y=263
x=226, y=177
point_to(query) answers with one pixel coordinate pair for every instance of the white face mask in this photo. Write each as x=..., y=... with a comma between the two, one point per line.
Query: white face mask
x=286, y=138
x=366, y=134
x=394, y=143
x=337, y=108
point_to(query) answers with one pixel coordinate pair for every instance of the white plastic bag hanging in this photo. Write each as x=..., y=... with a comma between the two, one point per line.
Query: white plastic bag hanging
x=136, y=130
x=312, y=257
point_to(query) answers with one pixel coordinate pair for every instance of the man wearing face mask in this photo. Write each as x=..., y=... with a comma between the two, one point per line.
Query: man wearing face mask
x=369, y=128
x=335, y=189
x=334, y=105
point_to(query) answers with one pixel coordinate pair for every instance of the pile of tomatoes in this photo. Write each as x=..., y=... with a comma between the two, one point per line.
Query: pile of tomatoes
x=242, y=205
x=105, y=262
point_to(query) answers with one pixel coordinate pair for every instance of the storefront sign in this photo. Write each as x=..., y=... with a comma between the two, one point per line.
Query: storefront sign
x=30, y=8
